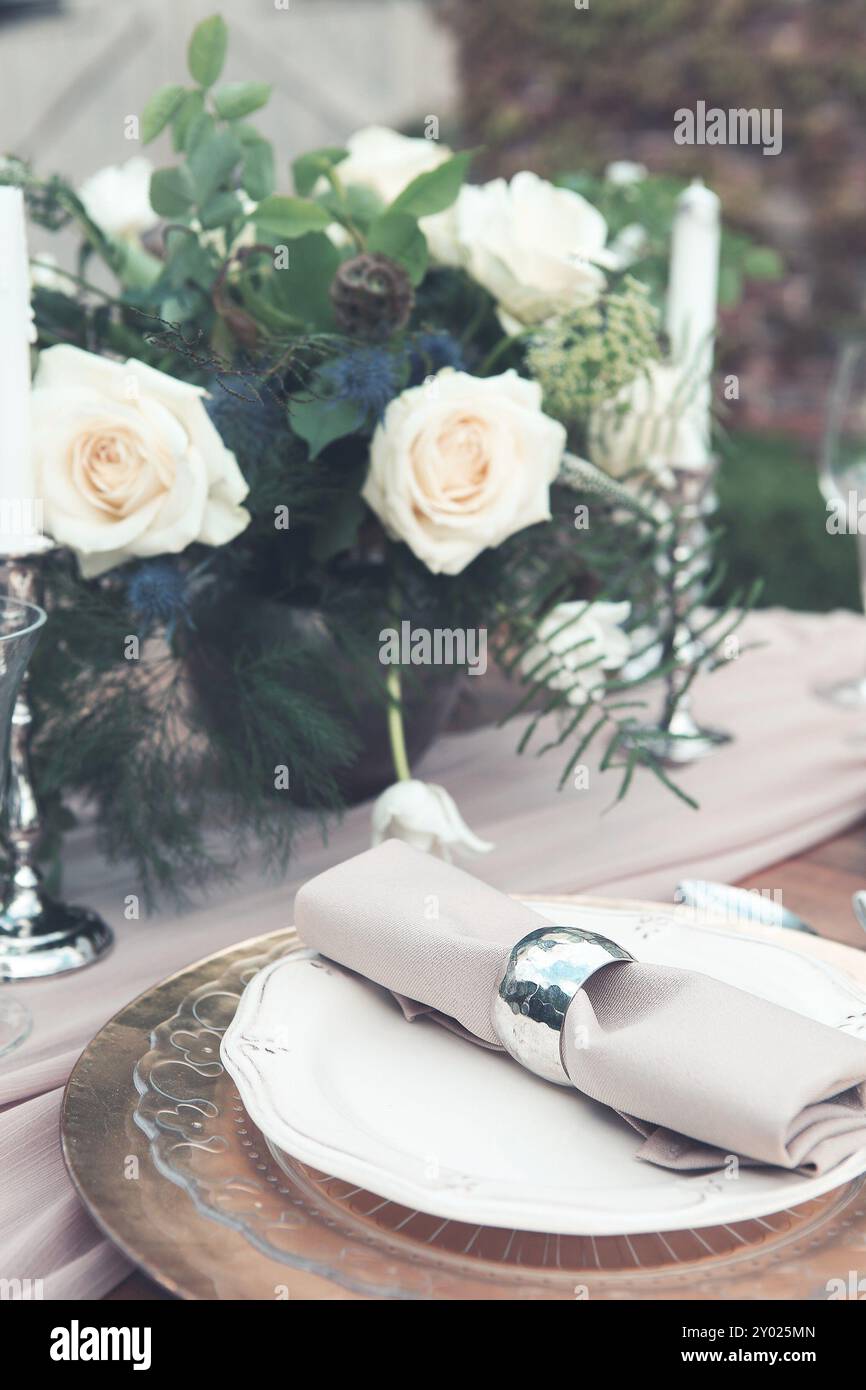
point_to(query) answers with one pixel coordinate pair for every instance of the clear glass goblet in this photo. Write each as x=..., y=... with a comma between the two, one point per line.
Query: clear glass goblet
x=20, y=626
x=842, y=480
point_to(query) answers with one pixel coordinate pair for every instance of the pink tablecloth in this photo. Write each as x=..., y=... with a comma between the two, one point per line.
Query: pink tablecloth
x=795, y=775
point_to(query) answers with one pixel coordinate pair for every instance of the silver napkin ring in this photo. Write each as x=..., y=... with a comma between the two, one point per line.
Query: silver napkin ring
x=544, y=972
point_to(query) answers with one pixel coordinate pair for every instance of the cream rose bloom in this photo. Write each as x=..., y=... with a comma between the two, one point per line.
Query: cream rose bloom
x=538, y=249
x=117, y=198
x=128, y=463
x=575, y=643
x=461, y=463
x=655, y=423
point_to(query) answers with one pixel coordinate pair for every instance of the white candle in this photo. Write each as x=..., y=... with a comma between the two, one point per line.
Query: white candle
x=18, y=510
x=693, y=286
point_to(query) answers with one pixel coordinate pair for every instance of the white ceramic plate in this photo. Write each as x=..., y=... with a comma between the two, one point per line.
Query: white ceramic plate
x=331, y=1073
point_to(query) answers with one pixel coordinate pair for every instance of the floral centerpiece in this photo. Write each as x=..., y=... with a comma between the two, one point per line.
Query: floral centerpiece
x=292, y=425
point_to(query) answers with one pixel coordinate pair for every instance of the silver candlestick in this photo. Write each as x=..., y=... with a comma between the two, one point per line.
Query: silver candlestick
x=38, y=935
x=677, y=739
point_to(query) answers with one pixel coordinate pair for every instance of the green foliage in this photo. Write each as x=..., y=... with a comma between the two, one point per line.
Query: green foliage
x=161, y=108
x=172, y=192
x=258, y=173
x=207, y=50
x=308, y=168
x=238, y=99
x=281, y=218
x=397, y=235
x=434, y=191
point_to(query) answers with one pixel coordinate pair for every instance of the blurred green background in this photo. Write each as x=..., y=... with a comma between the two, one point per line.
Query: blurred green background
x=774, y=520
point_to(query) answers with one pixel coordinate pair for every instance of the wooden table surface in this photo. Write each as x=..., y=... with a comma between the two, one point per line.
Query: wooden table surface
x=818, y=885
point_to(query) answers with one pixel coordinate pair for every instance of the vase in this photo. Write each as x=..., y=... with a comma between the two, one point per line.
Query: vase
x=429, y=694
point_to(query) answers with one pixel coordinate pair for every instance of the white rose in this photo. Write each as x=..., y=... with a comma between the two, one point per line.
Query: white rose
x=425, y=816
x=575, y=643
x=117, y=198
x=128, y=463
x=538, y=249
x=460, y=463
x=652, y=425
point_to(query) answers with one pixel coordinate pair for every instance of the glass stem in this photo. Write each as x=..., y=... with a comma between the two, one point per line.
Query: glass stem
x=861, y=564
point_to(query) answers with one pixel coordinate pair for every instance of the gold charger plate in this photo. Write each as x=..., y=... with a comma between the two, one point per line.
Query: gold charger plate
x=178, y=1177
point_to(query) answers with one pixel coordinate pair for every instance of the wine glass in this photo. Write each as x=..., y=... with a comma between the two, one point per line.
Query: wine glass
x=842, y=480
x=20, y=626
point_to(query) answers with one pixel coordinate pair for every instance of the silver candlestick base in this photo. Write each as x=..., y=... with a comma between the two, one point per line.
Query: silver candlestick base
x=38, y=935
x=681, y=740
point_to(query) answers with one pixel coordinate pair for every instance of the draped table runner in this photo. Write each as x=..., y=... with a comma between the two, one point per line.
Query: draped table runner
x=795, y=775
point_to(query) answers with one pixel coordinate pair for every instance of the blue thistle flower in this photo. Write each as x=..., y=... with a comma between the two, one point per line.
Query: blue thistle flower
x=157, y=594
x=431, y=352
x=368, y=375
x=247, y=425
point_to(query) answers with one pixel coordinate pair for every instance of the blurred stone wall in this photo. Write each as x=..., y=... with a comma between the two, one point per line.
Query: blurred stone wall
x=548, y=85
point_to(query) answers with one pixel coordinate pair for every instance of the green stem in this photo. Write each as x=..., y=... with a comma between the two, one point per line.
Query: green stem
x=337, y=185
x=502, y=347
x=396, y=735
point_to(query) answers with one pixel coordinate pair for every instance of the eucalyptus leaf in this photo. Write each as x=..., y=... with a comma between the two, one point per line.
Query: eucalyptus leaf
x=161, y=109
x=238, y=99
x=247, y=134
x=188, y=261
x=258, y=173
x=356, y=205
x=207, y=50
x=320, y=422
x=189, y=111
x=398, y=235
x=282, y=218
x=434, y=191
x=302, y=288
x=221, y=209
x=199, y=129
x=308, y=168
x=172, y=192
x=211, y=163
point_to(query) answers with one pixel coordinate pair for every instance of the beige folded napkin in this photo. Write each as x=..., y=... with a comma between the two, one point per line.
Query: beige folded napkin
x=703, y=1070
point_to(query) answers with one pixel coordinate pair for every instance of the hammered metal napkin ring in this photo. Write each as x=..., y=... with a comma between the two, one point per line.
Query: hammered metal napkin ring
x=544, y=972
